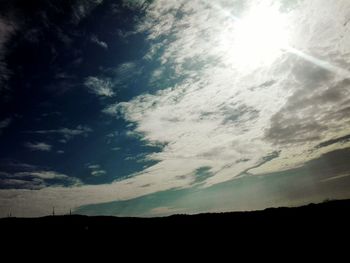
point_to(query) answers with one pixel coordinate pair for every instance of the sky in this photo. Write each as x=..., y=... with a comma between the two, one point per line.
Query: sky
x=159, y=107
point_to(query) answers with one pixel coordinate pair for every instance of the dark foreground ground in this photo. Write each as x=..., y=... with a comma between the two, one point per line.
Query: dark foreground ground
x=286, y=234
x=328, y=218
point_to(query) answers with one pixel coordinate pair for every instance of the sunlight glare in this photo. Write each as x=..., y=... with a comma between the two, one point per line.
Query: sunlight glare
x=259, y=37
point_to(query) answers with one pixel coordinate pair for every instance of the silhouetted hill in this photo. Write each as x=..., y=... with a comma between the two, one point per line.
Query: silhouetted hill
x=328, y=218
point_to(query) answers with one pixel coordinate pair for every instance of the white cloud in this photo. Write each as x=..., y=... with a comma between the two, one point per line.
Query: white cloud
x=94, y=39
x=111, y=109
x=39, y=146
x=100, y=87
x=42, y=175
x=94, y=166
x=96, y=170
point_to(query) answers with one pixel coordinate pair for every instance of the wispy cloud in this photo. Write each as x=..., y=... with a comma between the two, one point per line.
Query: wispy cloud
x=94, y=39
x=42, y=175
x=4, y=124
x=81, y=9
x=96, y=170
x=39, y=146
x=100, y=87
x=7, y=29
x=36, y=179
x=67, y=133
x=14, y=165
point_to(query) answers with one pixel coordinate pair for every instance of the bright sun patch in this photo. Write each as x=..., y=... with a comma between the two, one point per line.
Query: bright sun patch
x=259, y=37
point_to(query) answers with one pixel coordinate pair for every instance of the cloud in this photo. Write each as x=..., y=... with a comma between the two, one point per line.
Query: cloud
x=100, y=87
x=218, y=112
x=4, y=124
x=82, y=9
x=35, y=179
x=96, y=170
x=316, y=108
x=342, y=139
x=42, y=175
x=34, y=184
x=93, y=166
x=67, y=133
x=135, y=4
x=39, y=146
x=7, y=29
x=16, y=166
x=100, y=43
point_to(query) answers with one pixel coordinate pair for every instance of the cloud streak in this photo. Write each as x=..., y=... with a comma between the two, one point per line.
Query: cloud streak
x=67, y=133
x=39, y=146
x=96, y=170
x=7, y=29
x=35, y=179
x=4, y=124
x=100, y=87
x=94, y=39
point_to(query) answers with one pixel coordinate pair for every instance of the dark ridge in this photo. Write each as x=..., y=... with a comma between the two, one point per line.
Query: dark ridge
x=330, y=217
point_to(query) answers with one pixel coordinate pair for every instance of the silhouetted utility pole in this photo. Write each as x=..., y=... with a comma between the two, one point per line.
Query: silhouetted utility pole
x=53, y=211
x=70, y=212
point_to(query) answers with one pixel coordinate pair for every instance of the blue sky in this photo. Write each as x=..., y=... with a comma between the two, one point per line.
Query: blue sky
x=150, y=108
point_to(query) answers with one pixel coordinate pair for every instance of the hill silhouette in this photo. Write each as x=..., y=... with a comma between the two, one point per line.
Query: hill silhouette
x=327, y=218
